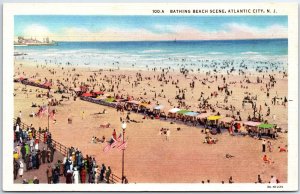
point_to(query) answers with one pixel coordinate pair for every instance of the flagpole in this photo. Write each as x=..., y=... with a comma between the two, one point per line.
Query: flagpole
x=123, y=150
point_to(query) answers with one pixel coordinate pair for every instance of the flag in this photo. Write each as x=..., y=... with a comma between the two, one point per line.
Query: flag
x=107, y=148
x=120, y=137
x=114, y=144
x=122, y=146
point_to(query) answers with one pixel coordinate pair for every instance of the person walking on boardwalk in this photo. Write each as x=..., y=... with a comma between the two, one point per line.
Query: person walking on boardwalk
x=83, y=175
x=49, y=174
x=16, y=169
x=107, y=175
x=21, y=169
x=44, y=153
x=69, y=177
x=103, y=169
x=76, y=176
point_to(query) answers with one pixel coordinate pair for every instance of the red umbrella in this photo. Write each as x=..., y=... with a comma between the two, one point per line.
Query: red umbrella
x=87, y=94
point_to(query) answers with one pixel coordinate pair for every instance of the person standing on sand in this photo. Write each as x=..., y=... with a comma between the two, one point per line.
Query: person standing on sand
x=264, y=146
x=168, y=134
x=269, y=146
x=259, y=179
x=82, y=115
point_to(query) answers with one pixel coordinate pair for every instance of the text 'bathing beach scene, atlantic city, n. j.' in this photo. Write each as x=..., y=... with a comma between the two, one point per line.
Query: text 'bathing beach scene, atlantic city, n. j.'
x=150, y=99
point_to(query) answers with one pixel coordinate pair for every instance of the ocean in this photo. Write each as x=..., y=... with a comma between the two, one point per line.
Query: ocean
x=149, y=54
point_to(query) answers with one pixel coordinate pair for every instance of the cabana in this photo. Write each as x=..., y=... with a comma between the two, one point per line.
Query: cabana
x=159, y=107
x=251, y=126
x=172, y=112
x=266, y=129
x=182, y=112
x=203, y=115
x=132, y=105
x=213, y=119
x=191, y=114
x=226, y=121
x=157, y=110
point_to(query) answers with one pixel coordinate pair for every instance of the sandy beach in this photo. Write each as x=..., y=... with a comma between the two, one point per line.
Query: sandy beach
x=149, y=157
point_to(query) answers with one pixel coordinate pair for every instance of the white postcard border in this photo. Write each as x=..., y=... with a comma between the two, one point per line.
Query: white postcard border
x=9, y=10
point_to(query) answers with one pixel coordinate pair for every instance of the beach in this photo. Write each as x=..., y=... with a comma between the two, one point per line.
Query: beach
x=149, y=157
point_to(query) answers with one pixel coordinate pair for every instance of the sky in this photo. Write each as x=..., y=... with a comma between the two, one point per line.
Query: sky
x=150, y=28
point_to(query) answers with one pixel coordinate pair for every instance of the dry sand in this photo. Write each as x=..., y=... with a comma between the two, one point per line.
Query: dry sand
x=148, y=157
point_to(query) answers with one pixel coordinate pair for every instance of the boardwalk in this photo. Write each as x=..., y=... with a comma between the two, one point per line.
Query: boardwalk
x=41, y=172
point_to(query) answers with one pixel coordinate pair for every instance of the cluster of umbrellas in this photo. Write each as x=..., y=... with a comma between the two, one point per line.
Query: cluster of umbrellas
x=211, y=117
x=189, y=113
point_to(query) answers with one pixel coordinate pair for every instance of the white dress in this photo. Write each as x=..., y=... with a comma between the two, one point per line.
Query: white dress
x=21, y=169
x=36, y=146
x=76, y=176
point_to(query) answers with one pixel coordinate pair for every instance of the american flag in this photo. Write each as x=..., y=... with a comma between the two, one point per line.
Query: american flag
x=107, y=148
x=122, y=146
x=119, y=138
x=114, y=144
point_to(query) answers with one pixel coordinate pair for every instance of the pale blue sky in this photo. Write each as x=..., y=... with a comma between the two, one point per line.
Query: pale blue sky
x=152, y=26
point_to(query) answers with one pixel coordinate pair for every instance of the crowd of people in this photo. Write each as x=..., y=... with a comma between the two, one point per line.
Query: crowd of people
x=30, y=153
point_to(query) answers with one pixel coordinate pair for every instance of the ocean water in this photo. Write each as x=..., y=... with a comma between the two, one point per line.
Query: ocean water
x=197, y=54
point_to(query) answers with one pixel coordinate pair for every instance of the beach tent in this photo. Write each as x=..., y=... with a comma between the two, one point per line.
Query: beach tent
x=252, y=123
x=213, y=118
x=226, y=119
x=159, y=107
x=182, y=112
x=203, y=115
x=174, y=110
x=266, y=126
x=191, y=114
x=87, y=94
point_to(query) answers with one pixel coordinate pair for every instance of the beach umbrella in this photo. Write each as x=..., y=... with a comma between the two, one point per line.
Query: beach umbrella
x=213, y=118
x=266, y=126
x=226, y=119
x=159, y=107
x=191, y=114
x=203, y=115
x=109, y=99
x=87, y=94
x=133, y=102
x=183, y=112
x=145, y=105
x=47, y=84
x=174, y=110
x=252, y=123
